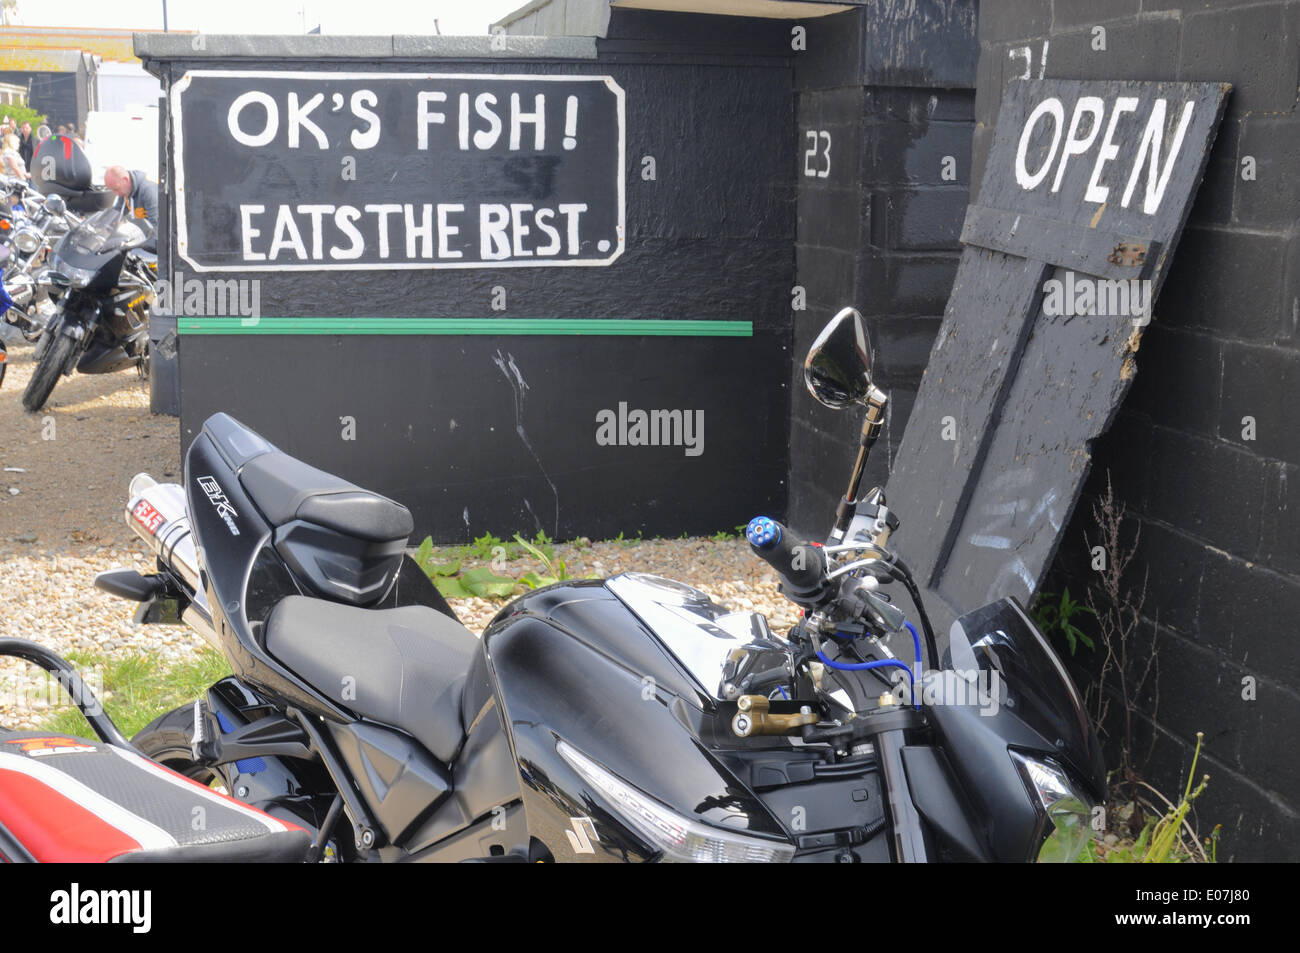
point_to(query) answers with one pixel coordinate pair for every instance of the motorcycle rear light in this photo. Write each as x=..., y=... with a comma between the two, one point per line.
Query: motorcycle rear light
x=680, y=839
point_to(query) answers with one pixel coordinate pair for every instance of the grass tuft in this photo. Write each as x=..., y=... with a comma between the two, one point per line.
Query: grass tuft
x=137, y=689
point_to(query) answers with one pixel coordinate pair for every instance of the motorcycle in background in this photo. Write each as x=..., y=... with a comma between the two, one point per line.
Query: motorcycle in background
x=29, y=229
x=102, y=282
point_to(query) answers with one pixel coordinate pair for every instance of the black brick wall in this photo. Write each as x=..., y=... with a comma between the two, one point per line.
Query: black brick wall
x=1220, y=534
x=893, y=86
x=442, y=428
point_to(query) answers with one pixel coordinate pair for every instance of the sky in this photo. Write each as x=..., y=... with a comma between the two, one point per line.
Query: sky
x=465, y=17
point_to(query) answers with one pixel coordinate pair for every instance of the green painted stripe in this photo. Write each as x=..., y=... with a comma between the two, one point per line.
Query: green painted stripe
x=659, y=327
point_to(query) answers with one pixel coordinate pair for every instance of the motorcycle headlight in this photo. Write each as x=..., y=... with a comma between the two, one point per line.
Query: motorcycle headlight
x=1065, y=812
x=681, y=839
x=26, y=240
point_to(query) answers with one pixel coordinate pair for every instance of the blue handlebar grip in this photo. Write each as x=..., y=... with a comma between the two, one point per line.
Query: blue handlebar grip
x=763, y=533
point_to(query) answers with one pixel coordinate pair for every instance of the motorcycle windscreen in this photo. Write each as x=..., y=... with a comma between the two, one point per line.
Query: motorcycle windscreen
x=999, y=643
x=105, y=232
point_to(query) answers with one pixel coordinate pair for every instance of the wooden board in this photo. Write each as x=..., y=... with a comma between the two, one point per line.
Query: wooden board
x=1085, y=193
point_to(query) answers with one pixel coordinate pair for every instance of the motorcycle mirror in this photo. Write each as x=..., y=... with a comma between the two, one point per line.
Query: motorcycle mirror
x=837, y=370
x=55, y=205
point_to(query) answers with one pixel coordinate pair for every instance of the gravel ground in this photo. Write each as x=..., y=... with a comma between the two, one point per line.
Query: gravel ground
x=725, y=569
x=70, y=465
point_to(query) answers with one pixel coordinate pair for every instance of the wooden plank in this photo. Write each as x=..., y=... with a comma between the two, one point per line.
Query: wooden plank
x=1088, y=250
x=1086, y=190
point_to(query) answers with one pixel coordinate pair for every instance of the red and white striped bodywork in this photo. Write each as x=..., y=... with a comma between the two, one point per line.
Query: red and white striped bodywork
x=66, y=800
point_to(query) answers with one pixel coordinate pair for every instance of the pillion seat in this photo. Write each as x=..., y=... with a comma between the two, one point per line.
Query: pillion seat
x=344, y=543
x=286, y=489
x=403, y=667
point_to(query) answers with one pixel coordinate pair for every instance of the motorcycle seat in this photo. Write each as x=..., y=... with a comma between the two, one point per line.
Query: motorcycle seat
x=403, y=667
x=68, y=800
x=286, y=489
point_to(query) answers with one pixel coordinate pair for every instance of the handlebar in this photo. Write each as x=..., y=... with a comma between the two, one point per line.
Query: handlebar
x=800, y=564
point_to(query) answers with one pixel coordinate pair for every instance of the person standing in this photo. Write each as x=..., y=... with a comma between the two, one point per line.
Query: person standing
x=26, y=144
x=11, y=163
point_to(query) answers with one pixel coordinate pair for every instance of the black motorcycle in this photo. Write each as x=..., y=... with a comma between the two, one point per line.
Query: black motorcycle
x=631, y=719
x=102, y=281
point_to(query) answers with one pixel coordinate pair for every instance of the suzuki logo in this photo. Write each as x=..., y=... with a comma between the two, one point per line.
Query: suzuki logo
x=583, y=833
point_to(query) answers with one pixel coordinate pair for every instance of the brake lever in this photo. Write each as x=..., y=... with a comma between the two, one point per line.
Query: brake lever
x=857, y=564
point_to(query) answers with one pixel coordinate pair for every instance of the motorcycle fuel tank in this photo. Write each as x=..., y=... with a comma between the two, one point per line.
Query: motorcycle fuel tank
x=577, y=670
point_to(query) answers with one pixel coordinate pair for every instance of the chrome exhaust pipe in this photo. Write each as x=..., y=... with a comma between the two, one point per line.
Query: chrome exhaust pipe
x=156, y=513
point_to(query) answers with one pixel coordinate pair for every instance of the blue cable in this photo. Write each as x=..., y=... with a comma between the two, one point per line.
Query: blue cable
x=882, y=663
x=916, y=641
x=864, y=666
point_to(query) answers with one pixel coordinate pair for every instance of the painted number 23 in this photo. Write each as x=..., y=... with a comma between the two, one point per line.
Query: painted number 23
x=819, y=148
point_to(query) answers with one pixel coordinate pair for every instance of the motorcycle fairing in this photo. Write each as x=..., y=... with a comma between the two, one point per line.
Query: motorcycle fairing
x=552, y=686
x=1029, y=710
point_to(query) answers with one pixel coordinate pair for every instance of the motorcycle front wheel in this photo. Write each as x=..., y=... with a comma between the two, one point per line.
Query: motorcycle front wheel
x=58, y=355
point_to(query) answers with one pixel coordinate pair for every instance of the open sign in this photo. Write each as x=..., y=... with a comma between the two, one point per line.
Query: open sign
x=1085, y=193
x=1090, y=114
x=1072, y=151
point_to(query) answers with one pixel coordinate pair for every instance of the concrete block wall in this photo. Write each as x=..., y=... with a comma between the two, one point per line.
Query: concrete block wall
x=1217, y=506
x=892, y=85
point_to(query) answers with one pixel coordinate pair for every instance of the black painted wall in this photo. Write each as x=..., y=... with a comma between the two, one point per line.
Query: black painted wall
x=1219, y=528
x=443, y=428
x=893, y=85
